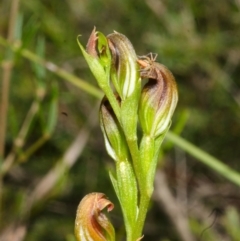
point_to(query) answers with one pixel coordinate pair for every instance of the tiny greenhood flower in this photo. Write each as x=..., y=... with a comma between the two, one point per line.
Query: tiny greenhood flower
x=159, y=97
x=98, y=57
x=125, y=77
x=91, y=224
x=97, y=46
x=124, y=71
x=113, y=135
x=91, y=46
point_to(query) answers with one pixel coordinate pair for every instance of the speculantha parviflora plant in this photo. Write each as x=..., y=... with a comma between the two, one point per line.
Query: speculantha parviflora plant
x=125, y=107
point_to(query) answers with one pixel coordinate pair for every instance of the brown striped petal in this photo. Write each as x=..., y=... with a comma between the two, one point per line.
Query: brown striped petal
x=91, y=224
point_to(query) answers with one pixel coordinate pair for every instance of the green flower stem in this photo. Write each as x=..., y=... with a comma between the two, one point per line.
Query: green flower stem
x=129, y=120
x=129, y=124
x=147, y=151
x=82, y=84
x=143, y=208
x=128, y=195
x=205, y=158
x=146, y=155
x=133, y=147
x=143, y=192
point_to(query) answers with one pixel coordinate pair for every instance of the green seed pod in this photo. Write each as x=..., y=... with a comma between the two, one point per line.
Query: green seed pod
x=159, y=97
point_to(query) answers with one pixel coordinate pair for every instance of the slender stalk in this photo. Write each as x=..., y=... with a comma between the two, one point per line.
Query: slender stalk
x=146, y=163
x=133, y=148
x=143, y=208
x=205, y=158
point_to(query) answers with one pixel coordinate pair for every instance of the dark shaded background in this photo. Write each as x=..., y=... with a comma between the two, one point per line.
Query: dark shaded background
x=200, y=43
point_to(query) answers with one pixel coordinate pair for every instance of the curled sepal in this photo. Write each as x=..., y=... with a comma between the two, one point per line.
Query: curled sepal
x=113, y=135
x=91, y=224
x=158, y=99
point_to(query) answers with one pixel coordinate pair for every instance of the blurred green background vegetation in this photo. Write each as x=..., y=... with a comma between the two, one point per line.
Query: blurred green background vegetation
x=53, y=152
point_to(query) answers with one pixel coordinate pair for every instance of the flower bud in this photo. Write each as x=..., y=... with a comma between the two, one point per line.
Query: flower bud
x=98, y=57
x=91, y=224
x=91, y=47
x=113, y=135
x=97, y=47
x=158, y=99
x=124, y=71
